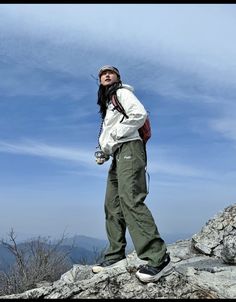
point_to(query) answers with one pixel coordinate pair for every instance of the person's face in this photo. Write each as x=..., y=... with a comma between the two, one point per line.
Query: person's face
x=108, y=77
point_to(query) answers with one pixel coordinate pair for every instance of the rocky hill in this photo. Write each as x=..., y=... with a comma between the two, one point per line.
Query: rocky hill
x=204, y=267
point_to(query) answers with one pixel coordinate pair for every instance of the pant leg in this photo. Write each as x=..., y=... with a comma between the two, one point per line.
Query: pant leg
x=115, y=223
x=132, y=190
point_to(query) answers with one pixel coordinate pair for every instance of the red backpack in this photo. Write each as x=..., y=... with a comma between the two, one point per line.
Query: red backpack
x=144, y=131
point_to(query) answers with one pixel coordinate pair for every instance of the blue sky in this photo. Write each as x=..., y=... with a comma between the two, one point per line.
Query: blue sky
x=180, y=58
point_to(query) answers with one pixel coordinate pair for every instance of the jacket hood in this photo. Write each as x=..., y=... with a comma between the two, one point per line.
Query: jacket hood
x=131, y=88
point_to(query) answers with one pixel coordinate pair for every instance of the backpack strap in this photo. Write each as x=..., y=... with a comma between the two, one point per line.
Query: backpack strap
x=117, y=106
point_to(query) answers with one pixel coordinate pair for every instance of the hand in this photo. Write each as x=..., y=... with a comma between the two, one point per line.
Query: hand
x=101, y=157
x=100, y=161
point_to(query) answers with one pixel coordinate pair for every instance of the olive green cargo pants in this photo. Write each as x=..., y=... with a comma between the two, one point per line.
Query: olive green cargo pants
x=125, y=207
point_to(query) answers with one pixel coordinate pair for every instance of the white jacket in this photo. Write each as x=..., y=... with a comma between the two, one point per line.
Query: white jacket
x=114, y=132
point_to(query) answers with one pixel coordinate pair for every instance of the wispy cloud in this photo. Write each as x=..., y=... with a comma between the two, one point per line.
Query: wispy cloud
x=29, y=147
x=175, y=169
x=97, y=172
x=225, y=126
x=69, y=37
x=85, y=157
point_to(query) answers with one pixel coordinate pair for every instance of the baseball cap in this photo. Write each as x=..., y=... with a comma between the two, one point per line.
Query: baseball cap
x=108, y=67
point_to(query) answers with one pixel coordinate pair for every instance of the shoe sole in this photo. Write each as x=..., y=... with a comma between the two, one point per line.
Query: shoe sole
x=97, y=268
x=147, y=278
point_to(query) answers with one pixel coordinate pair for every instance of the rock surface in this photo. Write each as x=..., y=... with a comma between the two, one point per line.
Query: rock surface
x=204, y=267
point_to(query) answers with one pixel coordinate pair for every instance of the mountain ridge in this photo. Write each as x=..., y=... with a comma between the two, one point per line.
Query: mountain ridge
x=81, y=248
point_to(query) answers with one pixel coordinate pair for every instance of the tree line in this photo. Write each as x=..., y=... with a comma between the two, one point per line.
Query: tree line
x=37, y=260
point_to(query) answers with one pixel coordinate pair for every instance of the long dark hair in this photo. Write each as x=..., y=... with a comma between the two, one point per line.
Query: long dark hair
x=104, y=96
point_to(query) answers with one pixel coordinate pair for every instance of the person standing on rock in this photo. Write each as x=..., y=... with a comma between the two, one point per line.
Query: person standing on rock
x=126, y=183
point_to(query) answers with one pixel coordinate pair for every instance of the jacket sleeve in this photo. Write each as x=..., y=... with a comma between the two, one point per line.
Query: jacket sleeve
x=134, y=110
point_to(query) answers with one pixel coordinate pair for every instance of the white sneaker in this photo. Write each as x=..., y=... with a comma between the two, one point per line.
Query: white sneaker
x=148, y=273
x=106, y=263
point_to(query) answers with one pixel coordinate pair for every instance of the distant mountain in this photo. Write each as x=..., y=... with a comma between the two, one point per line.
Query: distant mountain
x=172, y=238
x=86, y=242
x=6, y=258
x=82, y=249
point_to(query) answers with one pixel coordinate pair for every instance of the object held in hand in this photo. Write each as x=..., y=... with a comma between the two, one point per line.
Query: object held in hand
x=101, y=157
